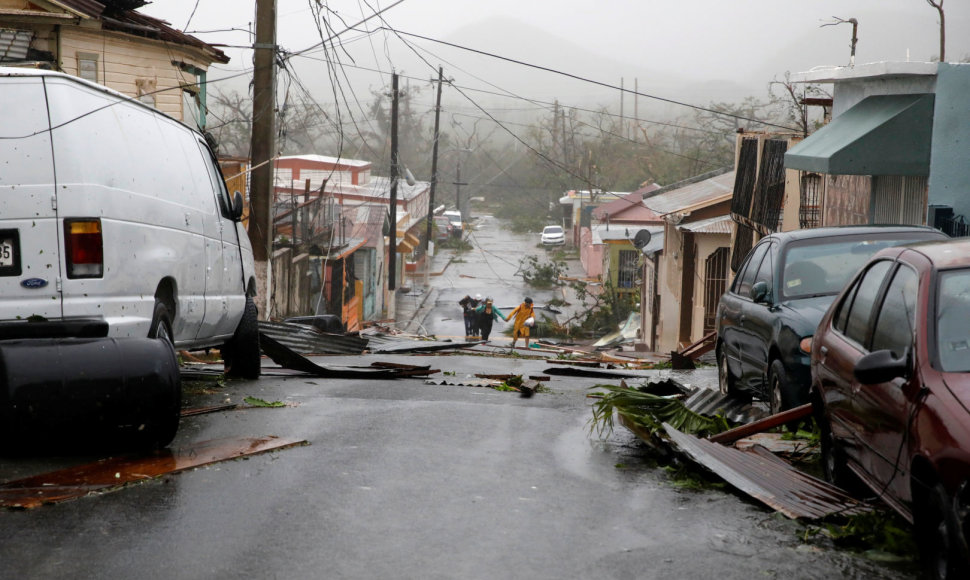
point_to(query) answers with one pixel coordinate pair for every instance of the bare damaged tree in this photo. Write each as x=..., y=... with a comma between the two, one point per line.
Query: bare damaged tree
x=938, y=4
x=793, y=102
x=855, y=34
x=233, y=115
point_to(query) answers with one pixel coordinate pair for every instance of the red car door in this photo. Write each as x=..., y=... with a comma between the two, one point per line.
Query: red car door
x=887, y=406
x=842, y=343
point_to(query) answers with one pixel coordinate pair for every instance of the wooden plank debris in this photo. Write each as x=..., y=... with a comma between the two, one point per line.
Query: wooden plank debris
x=116, y=472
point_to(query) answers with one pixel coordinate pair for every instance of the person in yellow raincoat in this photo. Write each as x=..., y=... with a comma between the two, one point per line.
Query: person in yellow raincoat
x=521, y=314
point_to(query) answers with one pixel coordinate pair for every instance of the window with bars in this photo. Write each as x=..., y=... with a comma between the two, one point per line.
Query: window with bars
x=810, y=203
x=627, y=269
x=715, y=283
x=745, y=177
x=743, y=242
x=770, y=193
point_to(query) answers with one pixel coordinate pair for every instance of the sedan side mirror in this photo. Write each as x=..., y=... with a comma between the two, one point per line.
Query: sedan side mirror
x=880, y=366
x=237, y=206
x=760, y=292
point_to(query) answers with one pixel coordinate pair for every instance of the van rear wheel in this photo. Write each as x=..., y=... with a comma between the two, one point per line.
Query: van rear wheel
x=240, y=354
x=161, y=327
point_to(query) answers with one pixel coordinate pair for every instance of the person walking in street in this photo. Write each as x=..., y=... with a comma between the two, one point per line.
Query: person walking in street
x=468, y=306
x=487, y=313
x=524, y=317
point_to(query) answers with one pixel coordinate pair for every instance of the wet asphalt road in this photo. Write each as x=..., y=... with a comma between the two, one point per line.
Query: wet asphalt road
x=405, y=479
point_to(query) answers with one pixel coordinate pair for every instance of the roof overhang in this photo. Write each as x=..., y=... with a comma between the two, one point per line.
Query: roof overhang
x=406, y=243
x=881, y=135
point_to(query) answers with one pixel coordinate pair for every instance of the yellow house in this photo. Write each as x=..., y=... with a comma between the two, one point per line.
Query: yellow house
x=110, y=43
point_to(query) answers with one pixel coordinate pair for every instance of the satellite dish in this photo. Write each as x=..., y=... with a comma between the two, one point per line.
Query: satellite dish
x=641, y=240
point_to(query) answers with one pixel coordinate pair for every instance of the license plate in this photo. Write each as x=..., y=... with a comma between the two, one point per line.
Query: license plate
x=8, y=252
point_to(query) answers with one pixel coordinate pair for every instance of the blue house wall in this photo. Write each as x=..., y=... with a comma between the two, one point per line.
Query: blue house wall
x=949, y=181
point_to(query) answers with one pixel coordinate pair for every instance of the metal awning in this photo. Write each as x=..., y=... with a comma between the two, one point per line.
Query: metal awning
x=881, y=135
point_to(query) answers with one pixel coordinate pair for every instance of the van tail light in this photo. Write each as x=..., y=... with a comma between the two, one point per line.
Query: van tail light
x=85, y=250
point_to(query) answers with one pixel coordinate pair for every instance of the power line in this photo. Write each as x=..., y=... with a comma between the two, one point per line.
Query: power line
x=591, y=81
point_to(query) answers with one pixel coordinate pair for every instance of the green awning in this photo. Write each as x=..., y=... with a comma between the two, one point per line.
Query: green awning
x=881, y=135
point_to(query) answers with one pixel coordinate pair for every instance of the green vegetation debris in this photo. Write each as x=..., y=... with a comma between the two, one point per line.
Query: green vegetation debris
x=650, y=412
x=253, y=401
x=879, y=535
x=540, y=274
x=689, y=476
x=504, y=387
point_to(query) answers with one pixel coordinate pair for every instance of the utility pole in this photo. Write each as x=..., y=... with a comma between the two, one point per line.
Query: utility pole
x=555, y=131
x=636, y=109
x=392, y=265
x=262, y=145
x=622, y=120
x=434, y=166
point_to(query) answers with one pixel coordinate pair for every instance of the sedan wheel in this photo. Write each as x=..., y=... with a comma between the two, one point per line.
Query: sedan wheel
x=778, y=400
x=778, y=394
x=834, y=464
x=723, y=374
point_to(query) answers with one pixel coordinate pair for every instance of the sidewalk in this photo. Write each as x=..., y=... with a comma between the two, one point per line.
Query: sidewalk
x=412, y=306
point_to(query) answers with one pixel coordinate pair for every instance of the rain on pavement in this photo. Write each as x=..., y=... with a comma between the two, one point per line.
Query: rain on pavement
x=403, y=479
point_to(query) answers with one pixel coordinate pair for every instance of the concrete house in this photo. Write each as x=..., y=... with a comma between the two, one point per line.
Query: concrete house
x=110, y=43
x=692, y=271
x=896, y=148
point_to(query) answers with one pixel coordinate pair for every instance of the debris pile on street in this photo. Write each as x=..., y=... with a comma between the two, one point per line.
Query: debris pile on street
x=694, y=423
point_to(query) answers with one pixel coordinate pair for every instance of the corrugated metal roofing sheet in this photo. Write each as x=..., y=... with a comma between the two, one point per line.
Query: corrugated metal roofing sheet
x=693, y=195
x=305, y=340
x=715, y=225
x=88, y=8
x=386, y=343
x=14, y=44
x=711, y=402
x=769, y=479
x=136, y=23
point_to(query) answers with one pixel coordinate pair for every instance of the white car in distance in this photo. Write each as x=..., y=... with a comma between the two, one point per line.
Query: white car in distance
x=553, y=236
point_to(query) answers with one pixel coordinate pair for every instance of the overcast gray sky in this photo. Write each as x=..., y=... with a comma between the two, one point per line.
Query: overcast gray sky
x=744, y=41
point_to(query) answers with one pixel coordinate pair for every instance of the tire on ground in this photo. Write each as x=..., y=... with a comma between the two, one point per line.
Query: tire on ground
x=160, y=431
x=241, y=354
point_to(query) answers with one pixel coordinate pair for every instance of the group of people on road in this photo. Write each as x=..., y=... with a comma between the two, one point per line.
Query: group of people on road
x=479, y=314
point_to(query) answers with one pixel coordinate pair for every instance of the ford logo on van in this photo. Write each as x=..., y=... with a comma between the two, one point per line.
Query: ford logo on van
x=34, y=283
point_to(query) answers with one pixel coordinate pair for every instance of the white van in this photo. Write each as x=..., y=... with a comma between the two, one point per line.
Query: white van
x=454, y=217
x=114, y=214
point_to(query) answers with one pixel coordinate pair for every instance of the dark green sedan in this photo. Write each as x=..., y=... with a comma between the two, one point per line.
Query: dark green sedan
x=766, y=319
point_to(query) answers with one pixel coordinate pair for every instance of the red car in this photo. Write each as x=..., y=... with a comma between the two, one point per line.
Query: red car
x=890, y=367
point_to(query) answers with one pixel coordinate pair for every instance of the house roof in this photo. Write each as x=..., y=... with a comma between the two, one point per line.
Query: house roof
x=628, y=208
x=575, y=195
x=603, y=233
x=866, y=71
x=325, y=159
x=714, y=225
x=692, y=196
x=120, y=16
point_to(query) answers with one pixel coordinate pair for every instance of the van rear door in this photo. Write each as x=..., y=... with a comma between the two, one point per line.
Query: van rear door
x=29, y=236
